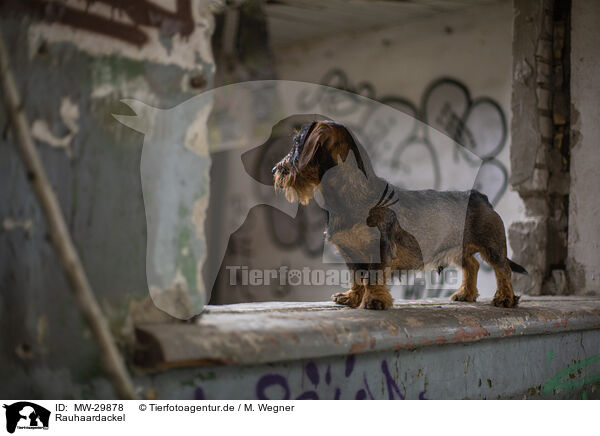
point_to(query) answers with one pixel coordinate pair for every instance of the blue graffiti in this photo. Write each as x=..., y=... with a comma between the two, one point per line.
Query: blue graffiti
x=272, y=386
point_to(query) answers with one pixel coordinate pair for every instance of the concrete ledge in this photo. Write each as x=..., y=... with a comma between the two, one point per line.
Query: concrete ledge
x=259, y=333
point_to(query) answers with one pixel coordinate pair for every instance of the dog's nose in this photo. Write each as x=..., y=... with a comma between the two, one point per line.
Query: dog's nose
x=274, y=170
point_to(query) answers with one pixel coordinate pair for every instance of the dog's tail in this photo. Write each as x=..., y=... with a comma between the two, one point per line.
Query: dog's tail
x=516, y=267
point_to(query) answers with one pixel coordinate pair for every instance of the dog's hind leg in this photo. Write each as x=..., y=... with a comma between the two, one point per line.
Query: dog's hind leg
x=504, y=296
x=468, y=287
x=484, y=233
x=495, y=255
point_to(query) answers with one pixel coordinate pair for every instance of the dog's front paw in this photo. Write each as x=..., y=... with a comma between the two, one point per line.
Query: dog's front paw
x=377, y=300
x=375, y=304
x=506, y=300
x=464, y=295
x=349, y=298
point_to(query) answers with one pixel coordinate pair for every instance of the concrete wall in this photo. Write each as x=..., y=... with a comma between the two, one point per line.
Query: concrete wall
x=539, y=367
x=584, y=207
x=72, y=76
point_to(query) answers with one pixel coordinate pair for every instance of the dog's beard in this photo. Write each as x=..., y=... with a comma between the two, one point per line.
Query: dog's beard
x=297, y=185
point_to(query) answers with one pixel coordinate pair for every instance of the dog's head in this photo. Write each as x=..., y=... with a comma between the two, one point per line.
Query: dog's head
x=317, y=147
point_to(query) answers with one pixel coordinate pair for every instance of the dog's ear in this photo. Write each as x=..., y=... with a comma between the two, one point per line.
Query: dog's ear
x=308, y=152
x=313, y=141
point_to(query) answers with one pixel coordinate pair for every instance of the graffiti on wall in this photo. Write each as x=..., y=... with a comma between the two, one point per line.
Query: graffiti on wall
x=477, y=124
x=572, y=377
x=275, y=386
x=315, y=380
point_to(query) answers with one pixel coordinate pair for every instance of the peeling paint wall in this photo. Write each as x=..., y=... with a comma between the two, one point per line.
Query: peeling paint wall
x=72, y=76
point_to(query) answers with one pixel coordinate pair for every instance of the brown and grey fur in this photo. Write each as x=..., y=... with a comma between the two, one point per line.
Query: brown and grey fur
x=379, y=227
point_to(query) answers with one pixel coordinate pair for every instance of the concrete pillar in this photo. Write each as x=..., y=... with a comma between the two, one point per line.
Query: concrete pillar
x=540, y=143
x=532, y=49
x=583, y=261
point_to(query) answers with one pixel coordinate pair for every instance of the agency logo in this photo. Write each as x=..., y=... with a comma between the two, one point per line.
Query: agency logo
x=26, y=415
